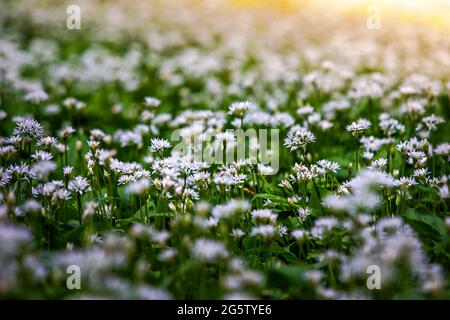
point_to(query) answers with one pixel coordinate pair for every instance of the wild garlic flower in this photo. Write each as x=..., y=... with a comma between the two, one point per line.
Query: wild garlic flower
x=421, y=174
x=60, y=196
x=79, y=185
x=21, y=171
x=225, y=137
x=36, y=96
x=302, y=173
x=237, y=233
x=282, y=230
x=305, y=110
x=299, y=139
x=67, y=171
x=29, y=129
x=43, y=168
x=405, y=182
x=431, y=122
x=414, y=107
x=442, y=149
x=7, y=151
x=209, y=250
x=265, y=231
x=264, y=215
x=379, y=164
x=299, y=234
x=47, y=142
x=372, y=144
x=231, y=208
x=139, y=187
x=151, y=102
x=323, y=226
x=444, y=192
x=328, y=166
x=239, y=109
x=358, y=127
x=303, y=214
x=391, y=126
x=89, y=209
x=158, y=144
x=42, y=156
x=66, y=132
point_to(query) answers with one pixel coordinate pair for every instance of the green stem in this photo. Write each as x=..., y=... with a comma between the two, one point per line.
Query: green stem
x=80, y=212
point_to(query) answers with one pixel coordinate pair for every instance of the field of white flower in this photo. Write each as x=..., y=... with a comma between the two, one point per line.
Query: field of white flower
x=353, y=204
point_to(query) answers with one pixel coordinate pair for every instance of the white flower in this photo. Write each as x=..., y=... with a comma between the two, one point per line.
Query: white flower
x=442, y=149
x=42, y=156
x=129, y=138
x=266, y=231
x=391, y=126
x=60, y=195
x=444, y=192
x=21, y=170
x=323, y=226
x=405, y=182
x=66, y=132
x=139, y=187
x=367, y=155
x=67, y=171
x=421, y=174
x=209, y=250
x=413, y=106
x=358, y=127
x=29, y=128
x=229, y=209
x=299, y=139
x=160, y=237
x=89, y=209
x=302, y=173
x=239, y=109
x=378, y=164
x=299, y=234
x=237, y=233
x=79, y=185
x=265, y=215
x=32, y=205
x=167, y=254
x=7, y=151
x=372, y=143
x=42, y=169
x=158, y=144
x=36, y=97
x=282, y=230
x=265, y=170
x=228, y=178
x=206, y=223
x=432, y=121
x=151, y=102
x=227, y=136
x=328, y=166
x=305, y=110
x=303, y=214
x=47, y=141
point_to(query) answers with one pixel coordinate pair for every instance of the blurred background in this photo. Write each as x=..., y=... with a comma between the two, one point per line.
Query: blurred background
x=315, y=30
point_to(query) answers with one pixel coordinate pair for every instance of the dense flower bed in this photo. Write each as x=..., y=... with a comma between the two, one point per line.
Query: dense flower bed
x=90, y=175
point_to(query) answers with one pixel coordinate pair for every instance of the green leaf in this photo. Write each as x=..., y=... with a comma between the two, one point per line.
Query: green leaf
x=276, y=199
x=288, y=255
x=73, y=223
x=287, y=276
x=426, y=223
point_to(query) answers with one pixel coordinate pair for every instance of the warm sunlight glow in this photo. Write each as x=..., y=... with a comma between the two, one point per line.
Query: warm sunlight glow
x=434, y=13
